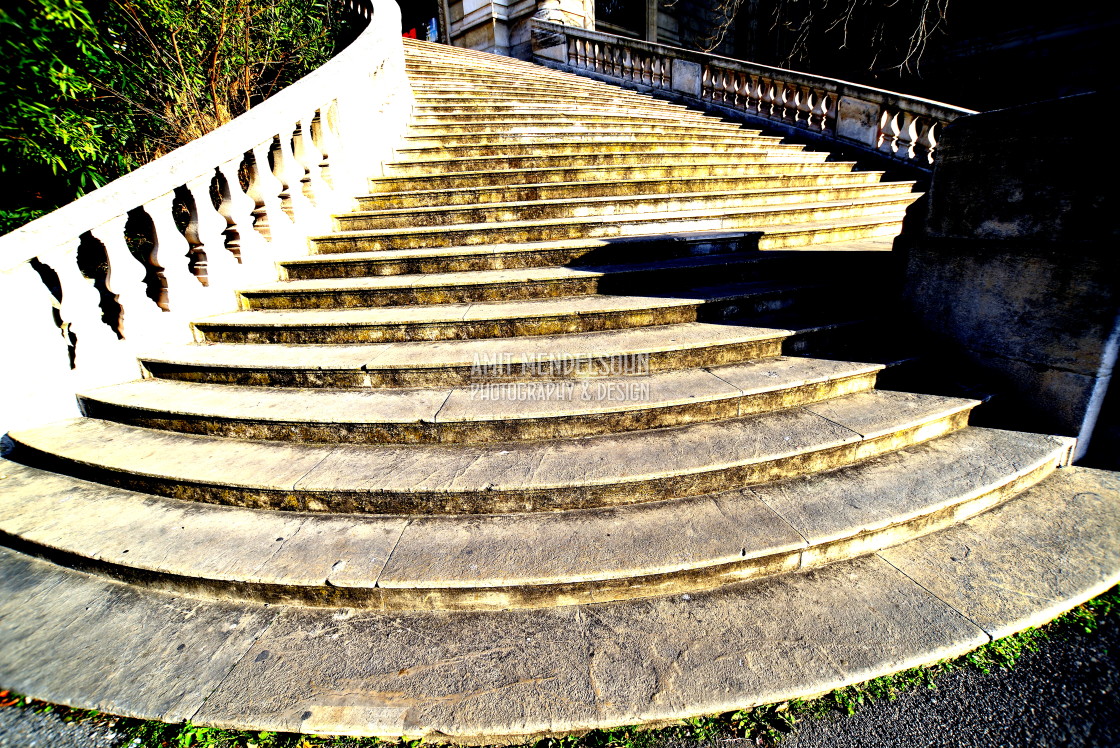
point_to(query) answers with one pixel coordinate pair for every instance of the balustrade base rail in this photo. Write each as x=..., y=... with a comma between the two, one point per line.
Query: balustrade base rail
x=903, y=129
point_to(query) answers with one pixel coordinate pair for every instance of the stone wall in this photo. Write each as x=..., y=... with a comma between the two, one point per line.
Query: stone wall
x=1014, y=268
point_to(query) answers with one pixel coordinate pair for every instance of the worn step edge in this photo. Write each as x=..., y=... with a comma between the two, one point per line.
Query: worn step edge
x=553, y=147
x=548, y=315
x=490, y=139
x=482, y=412
x=453, y=363
x=428, y=260
x=598, y=126
x=557, y=174
x=517, y=255
x=607, y=470
x=450, y=363
x=535, y=107
x=666, y=276
x=487, y=195
x=74, y=639
x=608, y=227
x=391, y=563
x=617, y=206
x=711, y=156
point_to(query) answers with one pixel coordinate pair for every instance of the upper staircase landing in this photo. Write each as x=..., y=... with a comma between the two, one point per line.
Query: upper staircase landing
x=571, y=422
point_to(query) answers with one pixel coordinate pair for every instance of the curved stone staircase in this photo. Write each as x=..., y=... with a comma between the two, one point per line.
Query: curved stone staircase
x=543, y=464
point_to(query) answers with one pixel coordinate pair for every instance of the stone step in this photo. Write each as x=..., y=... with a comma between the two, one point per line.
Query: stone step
x=543, y=136
x=429, y=91
x=437, y=79
x=514, y=676
x=524, y=255
x=579, y=253
x=506, y=319
x=484, y=411
x=709, y=155
x=502, y=107
x=589, y=227
x=608, y=188
x=441, y=79
x=620, y=125
x=686, y=168
x=612, y=205
x=593, y=471
x=457, y=362
x=450, y=75
x=619, y=116
x=495, y=562
x=659, y=277
x=563, y=145
x=544, y=100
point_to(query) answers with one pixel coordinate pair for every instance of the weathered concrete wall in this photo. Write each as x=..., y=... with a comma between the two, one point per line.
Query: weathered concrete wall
x=1015, y=267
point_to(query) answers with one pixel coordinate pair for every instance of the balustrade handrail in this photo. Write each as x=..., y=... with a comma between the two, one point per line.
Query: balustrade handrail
x=92, y=286
x=904, y=127
x=198, y=158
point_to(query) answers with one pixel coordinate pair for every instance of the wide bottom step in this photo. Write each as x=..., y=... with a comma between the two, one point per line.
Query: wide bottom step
x=511, y=675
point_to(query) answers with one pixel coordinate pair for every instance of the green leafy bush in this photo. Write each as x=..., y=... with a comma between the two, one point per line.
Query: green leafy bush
x=90, y=89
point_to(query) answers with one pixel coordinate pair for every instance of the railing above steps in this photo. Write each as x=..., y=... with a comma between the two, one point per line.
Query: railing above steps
x=891, y=125
x=128, y=266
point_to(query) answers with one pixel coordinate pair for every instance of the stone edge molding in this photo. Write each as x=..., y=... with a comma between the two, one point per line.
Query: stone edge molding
x=101, y=279
x=895, y=126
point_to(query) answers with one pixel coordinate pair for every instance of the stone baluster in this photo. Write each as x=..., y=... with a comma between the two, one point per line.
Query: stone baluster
x=236, y=207
x=907, y=135
x=269, y=218
x=171, y=257
x=307, y=158
x=206, y=230
x=737, y=98
x=767, y=98
x=781, y=95
x=829, y=106
x=126, y=279
x=804, y=106
x=290, y=174
x=325, y=137
x=927, y=140
x=888, y=132
x=750, y=95
x=82, y=321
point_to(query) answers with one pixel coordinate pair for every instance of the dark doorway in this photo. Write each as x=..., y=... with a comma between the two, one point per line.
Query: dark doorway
x=622, y=17
x=420, y=19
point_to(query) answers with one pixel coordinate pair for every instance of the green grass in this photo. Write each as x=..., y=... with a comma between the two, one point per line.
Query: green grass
x=765, y=725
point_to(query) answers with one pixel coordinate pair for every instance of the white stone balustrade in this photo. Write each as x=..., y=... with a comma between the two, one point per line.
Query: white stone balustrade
x=892, y=125
x=127, y=267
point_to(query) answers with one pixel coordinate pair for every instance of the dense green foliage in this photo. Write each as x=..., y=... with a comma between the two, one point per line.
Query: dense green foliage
x=90, y=89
